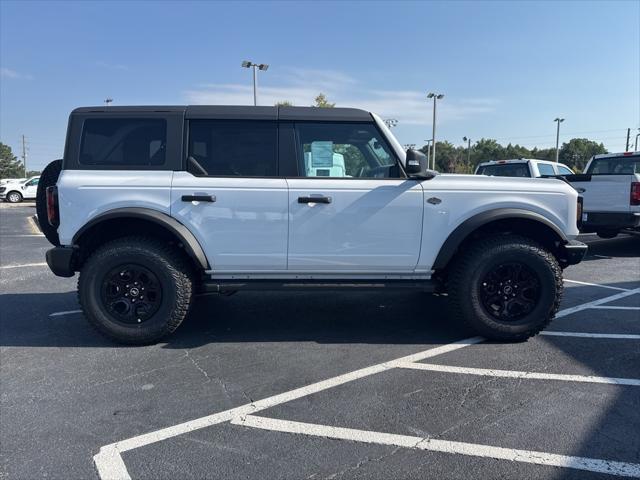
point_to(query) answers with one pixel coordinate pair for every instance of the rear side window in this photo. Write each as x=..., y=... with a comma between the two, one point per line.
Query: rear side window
x=506, y=170
x=221, y=148
x=123, y=142
x=546, y=169
x=615, y=166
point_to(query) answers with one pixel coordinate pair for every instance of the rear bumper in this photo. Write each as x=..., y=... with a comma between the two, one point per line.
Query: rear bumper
x=610, y=221
x=573, y=252
x=60, y=261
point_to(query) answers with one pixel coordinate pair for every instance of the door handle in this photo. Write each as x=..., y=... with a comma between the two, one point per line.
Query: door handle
x=314, y=199
x=198, y=198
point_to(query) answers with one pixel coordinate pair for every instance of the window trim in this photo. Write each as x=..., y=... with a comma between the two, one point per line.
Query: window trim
x=298, y=143
x=187, y=138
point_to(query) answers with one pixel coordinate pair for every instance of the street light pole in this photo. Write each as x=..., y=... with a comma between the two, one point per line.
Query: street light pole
x=258, y=66
x=435, y=96
x=559, y=121
x=428, y=151
x=468, y=140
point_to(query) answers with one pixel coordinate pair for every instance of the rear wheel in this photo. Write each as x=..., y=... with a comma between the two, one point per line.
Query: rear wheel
x=135, y=290
x=505, y=287
x=14, y=197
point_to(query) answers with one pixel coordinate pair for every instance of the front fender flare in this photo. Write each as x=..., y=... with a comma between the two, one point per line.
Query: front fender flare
x=191, y=244
x=462, y=231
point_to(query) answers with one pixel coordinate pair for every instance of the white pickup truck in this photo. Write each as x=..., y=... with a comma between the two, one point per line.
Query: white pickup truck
x=610, y=188
x=154, y=205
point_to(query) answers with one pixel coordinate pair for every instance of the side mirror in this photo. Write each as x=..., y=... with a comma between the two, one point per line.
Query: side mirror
x=416, y=165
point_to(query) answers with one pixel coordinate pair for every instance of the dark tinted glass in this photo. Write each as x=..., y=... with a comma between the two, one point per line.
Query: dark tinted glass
x=506, y=170
x=123, y=141
x=615, y=166
x=233, y=148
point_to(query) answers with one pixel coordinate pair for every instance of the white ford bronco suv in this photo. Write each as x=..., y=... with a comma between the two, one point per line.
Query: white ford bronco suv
x=155, y=205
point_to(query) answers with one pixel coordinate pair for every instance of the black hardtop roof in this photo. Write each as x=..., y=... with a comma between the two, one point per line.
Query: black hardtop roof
x=240, y=112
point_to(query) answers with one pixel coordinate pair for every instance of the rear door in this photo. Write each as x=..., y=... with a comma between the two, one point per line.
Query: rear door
x=352, y=210
x=230, y=196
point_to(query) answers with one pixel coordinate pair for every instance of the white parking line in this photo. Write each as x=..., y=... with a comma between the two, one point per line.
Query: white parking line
x=25, y=265
x=68, y=312
x=614, y=307
x=109, y=462
x=619, y=336
x=597, y=285
x=517, y=374
x=445, y=446
x=584, y=306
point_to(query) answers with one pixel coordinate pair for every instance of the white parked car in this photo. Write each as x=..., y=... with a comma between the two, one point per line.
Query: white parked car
x=610, y=187
x=522, y=167
x=154, y=205
x=16, y=192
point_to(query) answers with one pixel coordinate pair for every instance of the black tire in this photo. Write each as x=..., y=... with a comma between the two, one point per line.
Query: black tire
x=103, y=304
x=48, y=178
x=13, y=197
x=607, y=233
x=501, y=310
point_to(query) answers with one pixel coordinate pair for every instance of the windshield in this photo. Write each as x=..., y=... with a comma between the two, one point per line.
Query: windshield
x=505, y=170
x=615, y=166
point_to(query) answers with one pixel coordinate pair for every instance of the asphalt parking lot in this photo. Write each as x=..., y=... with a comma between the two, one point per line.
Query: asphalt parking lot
x=318, y=385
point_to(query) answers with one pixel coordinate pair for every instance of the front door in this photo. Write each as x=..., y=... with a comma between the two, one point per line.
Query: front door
x=351, y=210
x=230, y=197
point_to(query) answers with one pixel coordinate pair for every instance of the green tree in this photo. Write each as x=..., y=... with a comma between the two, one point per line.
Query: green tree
x=322, y=102
x=577, y=152
x=9, y=164
x=284, y=103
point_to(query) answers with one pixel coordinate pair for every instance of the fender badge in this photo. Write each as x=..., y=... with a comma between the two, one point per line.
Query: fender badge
x=434, y=201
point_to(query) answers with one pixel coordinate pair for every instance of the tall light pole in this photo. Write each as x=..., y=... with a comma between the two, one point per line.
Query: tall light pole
x=428, y=151
x=468, y=140
x=559, y=121
x=108, y=101
x=260, y=66
x=390, y=122
x=435, y=96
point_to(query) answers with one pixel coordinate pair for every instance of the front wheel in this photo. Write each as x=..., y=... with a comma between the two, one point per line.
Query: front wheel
x=14, y=197
x=505, y=287
x=135, y=290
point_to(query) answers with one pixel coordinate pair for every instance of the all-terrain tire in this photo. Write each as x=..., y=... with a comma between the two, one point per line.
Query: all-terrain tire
x=467, y=286
x=48, y=178
x=172, y=272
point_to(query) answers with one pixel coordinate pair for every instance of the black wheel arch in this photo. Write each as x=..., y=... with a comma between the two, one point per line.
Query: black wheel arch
x=152, y=222
x=502, y=220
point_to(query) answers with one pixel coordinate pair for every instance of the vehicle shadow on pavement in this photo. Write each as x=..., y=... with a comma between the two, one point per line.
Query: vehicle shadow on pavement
x=326, y=317
x=623, y=246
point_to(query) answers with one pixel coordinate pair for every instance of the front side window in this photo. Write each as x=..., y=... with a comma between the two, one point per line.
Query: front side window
x=33, y=183
x=546, y=169
x=244, y=148
x=564, y=170
x=123, y=142
x=344, y=150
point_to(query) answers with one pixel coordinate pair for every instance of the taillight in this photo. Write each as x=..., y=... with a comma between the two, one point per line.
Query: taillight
x=52, y=206
x=634, y=196
x=579, y=212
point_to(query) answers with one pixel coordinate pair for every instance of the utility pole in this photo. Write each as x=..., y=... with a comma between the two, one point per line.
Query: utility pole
x=626, y=149
x=638, y=135
x=468, y=140
x=24, y=156
x=435, y=96
x=559, y=121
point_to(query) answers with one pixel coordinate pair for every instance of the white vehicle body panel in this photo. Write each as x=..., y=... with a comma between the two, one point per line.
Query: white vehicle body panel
x=369, y=226
x=85, y=194
x=608, y=193
x=245, y=229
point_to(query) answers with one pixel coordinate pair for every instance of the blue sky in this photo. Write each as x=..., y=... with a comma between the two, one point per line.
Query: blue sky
x=507, y=68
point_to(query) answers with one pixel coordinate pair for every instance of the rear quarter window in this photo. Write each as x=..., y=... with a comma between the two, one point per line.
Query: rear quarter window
x=125, y=142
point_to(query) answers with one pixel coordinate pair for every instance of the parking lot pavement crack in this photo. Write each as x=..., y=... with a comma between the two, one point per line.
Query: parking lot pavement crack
x=366, y=460
x=203, y=371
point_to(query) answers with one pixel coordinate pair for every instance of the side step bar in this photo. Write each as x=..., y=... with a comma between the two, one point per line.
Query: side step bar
x=222, y=286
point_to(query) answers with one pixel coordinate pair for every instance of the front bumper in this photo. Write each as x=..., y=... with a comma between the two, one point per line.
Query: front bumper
x=60, y=261
x=573, y=252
